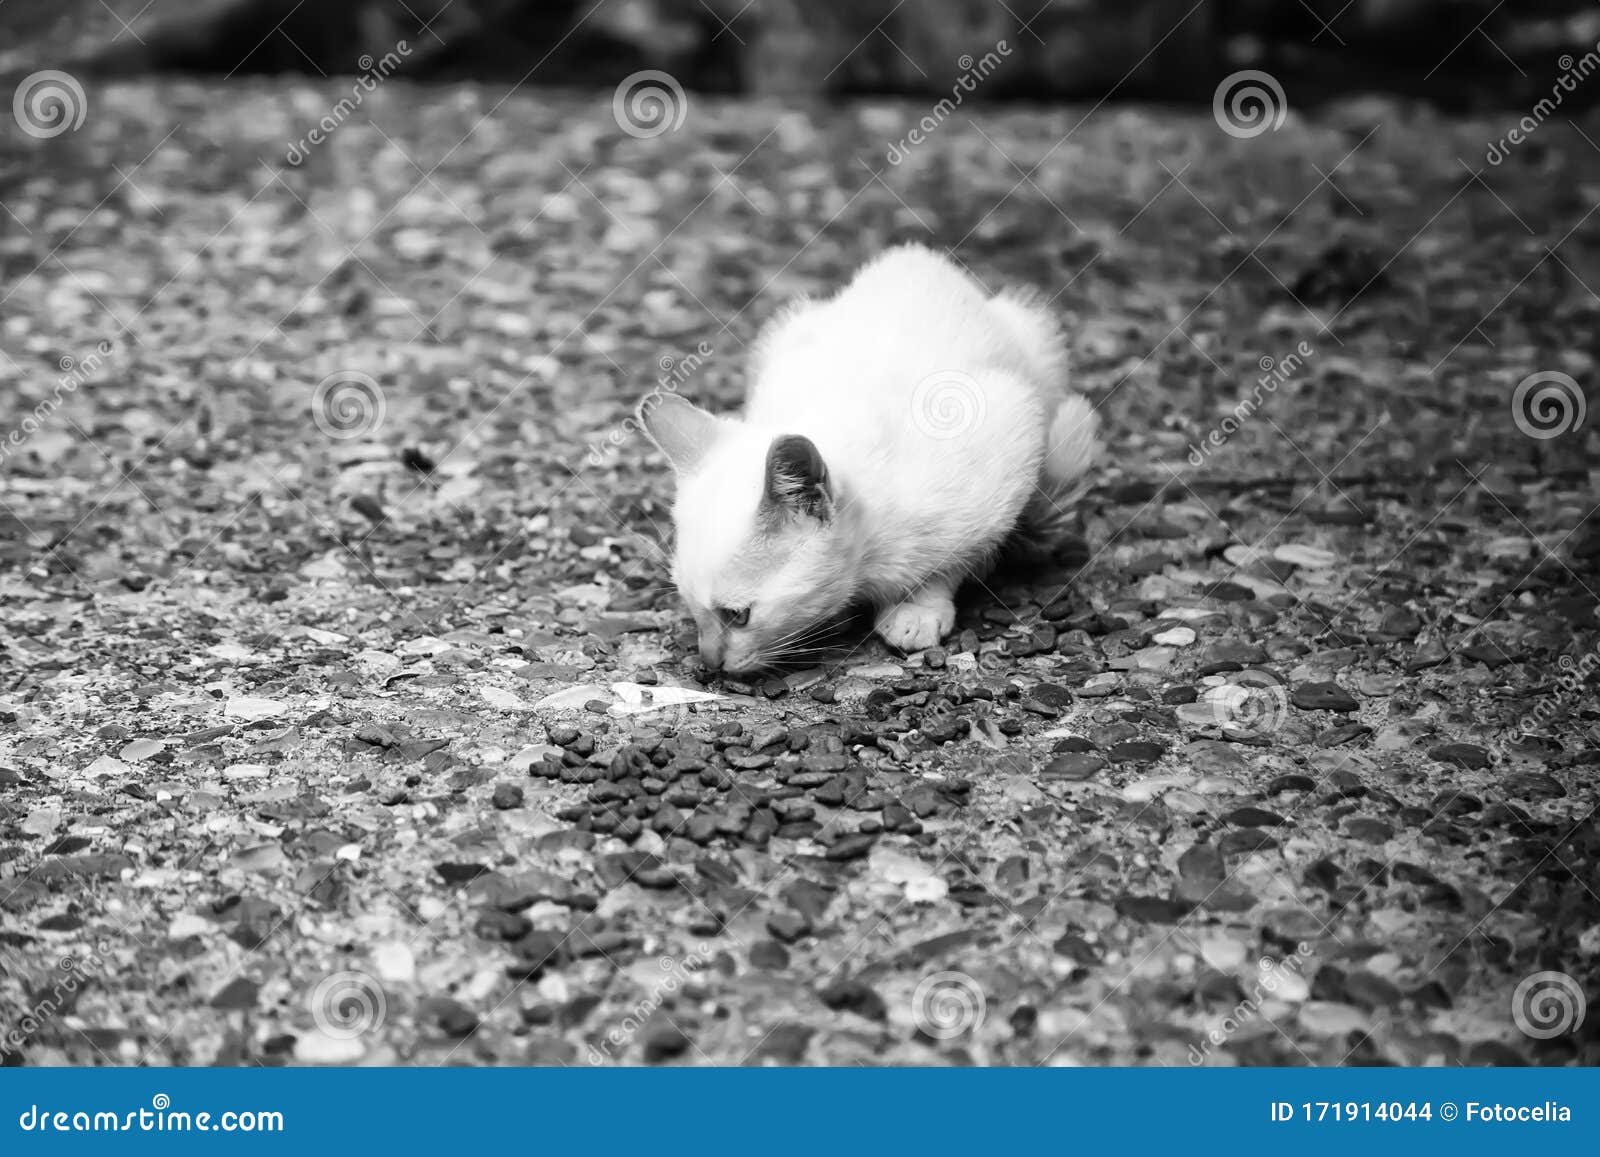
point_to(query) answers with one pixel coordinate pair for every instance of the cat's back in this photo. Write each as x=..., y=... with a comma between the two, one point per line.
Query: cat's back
x=908, y=313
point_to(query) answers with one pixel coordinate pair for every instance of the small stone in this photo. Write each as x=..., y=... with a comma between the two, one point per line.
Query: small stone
x=1323, y=697
x=769, y=955
x=459, y=873
x=1136, y=751
x=1073, y=767
x=1254, y=817
x=788, y=926
x=1301, y=555
x=238, y=993
x=318, y=1048
x=854, y=996
x=1342, y=734
x=1468, y=755
x=1327, y=1018
x=507, y=796
x=394, y=963
x=1371, y=990
x=1368, y=830
x=664, y=1043
x=1153, y=909
x=851, y=847
x=1243, y=841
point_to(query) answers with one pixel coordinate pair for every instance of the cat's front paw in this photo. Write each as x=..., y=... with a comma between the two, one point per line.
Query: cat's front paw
x=914, y=626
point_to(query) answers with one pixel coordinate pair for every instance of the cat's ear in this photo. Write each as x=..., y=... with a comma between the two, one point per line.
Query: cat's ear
x=681, y=430
x=797, y=478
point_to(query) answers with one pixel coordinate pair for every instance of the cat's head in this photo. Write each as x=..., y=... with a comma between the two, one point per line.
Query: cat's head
x=764, y=556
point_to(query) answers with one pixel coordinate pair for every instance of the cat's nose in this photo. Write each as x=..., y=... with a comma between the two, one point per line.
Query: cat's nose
x=710, y=655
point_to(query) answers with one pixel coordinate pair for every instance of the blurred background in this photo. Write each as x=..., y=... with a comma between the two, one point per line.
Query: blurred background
x=1463, y=54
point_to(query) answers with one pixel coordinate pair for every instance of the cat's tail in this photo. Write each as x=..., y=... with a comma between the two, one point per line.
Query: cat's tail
x=1071, y=448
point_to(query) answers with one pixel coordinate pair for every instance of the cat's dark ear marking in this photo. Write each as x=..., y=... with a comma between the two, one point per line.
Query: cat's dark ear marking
x=681, y=430
x=797, y=477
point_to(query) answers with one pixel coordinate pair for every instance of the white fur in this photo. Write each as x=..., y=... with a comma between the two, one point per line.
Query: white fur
x=942, y=415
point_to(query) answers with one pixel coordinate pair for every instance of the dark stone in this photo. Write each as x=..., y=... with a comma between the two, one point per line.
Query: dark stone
x=1202, y=863
x=1243, y=841
x=1075, y=948
x=459, y=873
x=1468, y=755
x=1368, y=830
x=1293, y=781
x=495, y=924
x=1342, y=734
x=507, y=796
x=1053, y=695
x=453, y=1018
x=854, y=996
x=1371, y=990
x=851, y=847
x=769, y=955
x=1323, y=697
x=788, y=926
x=786, y=1044
x=1254, y=817
x=238, y=993
x=1137, y=751
x=538, y=949
x=1153, y=909
x=663, y=1043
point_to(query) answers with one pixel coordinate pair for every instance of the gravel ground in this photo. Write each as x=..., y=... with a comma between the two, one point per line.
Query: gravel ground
x=355, y=722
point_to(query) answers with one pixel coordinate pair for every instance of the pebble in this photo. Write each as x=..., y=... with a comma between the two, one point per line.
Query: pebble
x=851, y=847
x=394, y=963
x=318, y=1048
x=788, y=926
x=854, y=996
x=663, y=1043
x=769, y=955
x=1254, y=817
x=1323, y=697
x=1301, y=555
x=1176, y=637
x=1327, y=1018
x=1468, y=755
x=1073, y=767
x=1136, y=751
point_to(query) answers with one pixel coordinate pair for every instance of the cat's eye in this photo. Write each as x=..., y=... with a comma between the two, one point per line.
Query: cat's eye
x=734, y=617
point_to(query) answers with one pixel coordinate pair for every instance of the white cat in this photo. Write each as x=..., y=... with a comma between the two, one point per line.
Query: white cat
x=893, y=436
